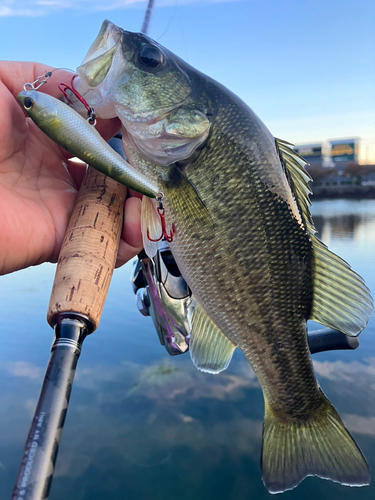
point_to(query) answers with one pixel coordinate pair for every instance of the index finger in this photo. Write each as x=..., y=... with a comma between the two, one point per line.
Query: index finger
x=14, y=74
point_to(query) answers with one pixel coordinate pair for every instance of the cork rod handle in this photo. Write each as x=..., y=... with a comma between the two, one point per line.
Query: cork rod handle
x=89, y=250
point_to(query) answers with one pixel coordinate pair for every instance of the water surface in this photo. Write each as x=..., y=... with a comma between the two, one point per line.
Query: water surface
x=143, y=425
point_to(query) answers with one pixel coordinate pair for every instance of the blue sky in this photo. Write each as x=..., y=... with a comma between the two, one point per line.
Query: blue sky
x=307, y=68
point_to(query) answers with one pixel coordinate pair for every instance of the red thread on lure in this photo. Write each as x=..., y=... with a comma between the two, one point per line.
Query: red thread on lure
x=168, y=237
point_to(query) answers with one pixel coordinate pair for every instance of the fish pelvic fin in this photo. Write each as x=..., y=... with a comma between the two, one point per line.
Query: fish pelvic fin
x=150, y=227
x=320, y=447
x=210, y=350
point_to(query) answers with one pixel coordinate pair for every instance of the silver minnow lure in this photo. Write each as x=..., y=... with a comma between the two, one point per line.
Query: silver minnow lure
x=73, y=133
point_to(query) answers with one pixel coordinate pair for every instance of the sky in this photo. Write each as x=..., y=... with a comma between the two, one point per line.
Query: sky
x=307, y=68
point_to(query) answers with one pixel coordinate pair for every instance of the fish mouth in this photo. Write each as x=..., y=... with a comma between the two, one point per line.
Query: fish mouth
x=98, y=61
x=101, y=71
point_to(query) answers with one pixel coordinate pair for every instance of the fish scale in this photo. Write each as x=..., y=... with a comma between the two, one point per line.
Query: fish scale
x=230, y=221
x=244, y=242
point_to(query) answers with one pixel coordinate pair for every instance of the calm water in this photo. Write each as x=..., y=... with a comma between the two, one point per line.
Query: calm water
x=142, y=425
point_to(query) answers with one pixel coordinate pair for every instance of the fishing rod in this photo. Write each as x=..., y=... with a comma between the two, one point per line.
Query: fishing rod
x=82, y=279
x=83, y=275
x=147, y=17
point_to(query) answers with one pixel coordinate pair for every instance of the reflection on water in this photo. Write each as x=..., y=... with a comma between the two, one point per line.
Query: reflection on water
x=342, y=226
x=346, y=220
x=142, y=425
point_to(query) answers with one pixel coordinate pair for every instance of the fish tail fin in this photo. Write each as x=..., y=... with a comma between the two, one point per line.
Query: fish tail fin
x=320, y=447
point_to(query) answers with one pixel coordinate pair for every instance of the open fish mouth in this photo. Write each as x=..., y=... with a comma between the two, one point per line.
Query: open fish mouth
x=99, y=58
x=118, y=73
x=103, y=68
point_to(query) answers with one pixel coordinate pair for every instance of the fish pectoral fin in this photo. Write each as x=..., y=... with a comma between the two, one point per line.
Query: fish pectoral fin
x=150, y=227
x=341, y=300
x=210, y=350
x=319, y=447
x=183, y=195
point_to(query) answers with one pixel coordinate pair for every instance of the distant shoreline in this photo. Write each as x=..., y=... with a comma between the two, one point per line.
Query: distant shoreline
x=350, y=192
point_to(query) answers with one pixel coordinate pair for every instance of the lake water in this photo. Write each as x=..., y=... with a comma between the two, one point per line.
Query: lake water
x=142, y=425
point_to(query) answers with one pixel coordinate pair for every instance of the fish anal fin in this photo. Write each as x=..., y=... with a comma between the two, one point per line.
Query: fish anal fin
x=341, y=300
x=320, y=447
x=210, y=350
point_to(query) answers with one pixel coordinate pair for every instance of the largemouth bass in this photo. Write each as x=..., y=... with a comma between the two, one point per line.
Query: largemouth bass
x=244, y=242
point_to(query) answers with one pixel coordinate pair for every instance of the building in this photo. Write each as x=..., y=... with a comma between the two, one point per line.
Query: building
x=316, y=154
x=343, y=152
x=336, y=153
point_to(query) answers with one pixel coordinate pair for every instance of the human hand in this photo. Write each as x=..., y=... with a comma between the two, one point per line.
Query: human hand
x=39, y=182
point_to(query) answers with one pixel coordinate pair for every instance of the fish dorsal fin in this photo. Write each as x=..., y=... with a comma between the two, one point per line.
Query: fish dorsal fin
x=210, y=350
x=150, y=227
x=295, y=166
x=341, y=300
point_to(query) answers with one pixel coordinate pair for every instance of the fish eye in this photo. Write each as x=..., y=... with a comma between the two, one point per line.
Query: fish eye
x=28, y=103
x=150, y=57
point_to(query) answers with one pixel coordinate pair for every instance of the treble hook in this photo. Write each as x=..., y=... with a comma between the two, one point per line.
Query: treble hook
x=168, y=237
x=91, y=118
